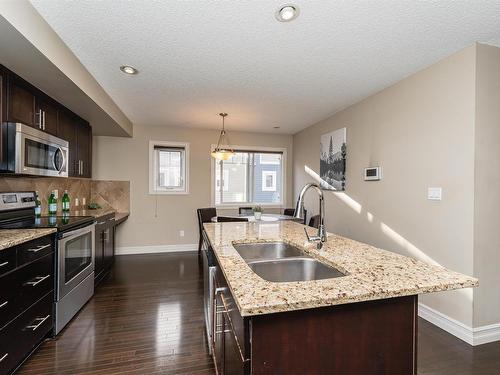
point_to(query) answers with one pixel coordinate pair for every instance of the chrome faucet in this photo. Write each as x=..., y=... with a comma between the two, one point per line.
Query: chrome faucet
x=299, y=214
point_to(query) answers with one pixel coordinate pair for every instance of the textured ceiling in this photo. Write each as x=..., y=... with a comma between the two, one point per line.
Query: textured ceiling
x=197, y=58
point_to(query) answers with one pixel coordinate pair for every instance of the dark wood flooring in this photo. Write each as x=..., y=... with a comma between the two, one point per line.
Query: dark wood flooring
x=147, y=318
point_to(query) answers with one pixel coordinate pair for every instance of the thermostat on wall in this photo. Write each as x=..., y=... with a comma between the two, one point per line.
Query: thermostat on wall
x=373, y=174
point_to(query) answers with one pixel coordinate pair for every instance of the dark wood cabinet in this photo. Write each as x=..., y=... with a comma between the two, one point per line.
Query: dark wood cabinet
x=26, y=300
x=104, y=246
x=79, y=136
x=21, y=106
x=47, y=112
x=3, y=95
x=21, y=102
x=67, y=131
x=84, y=149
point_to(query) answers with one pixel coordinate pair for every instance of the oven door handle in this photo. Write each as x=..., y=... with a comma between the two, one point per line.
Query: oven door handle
x=79, y=232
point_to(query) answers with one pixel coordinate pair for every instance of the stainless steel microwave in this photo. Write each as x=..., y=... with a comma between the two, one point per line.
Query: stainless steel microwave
x=30, y=151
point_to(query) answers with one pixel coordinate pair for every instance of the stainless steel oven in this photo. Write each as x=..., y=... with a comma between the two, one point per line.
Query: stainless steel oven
x=75, y=272
x=31, y=151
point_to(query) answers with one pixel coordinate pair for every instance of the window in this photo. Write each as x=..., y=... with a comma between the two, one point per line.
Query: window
x=168, y=165
x=268, y=181
x=249, y=177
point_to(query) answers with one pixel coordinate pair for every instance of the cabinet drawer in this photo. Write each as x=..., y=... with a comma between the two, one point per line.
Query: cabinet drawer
x=21, y=288
x=23, y=334
x=32, y=250
x=7, y=260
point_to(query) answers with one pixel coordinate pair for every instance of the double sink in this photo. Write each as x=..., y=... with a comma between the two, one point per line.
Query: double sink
x=282, y=262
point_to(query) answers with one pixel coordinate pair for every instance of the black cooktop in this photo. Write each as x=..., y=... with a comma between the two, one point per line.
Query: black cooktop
x=62, y=223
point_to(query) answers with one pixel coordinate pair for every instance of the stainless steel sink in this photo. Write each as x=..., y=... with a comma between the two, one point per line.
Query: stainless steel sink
x=266, y=250
x=293, y=269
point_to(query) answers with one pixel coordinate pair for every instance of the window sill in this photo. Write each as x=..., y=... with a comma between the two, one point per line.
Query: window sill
x=154, y=192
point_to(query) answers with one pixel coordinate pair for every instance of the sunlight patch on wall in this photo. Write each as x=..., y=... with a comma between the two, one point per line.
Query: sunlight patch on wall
x=407, y=245
x=341, y=195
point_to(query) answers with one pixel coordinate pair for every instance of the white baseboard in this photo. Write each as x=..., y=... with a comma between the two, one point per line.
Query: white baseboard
x=473, y=336
x=129, y=250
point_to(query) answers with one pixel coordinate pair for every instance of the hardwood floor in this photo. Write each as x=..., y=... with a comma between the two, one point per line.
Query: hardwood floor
x=147, y=318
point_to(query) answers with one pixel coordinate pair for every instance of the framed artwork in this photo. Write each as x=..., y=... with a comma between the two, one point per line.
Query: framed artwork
x=332, y=160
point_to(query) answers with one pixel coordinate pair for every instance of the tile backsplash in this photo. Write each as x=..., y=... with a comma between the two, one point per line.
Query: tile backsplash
x=115, y=194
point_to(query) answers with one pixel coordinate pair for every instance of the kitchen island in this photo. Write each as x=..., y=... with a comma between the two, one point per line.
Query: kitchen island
x=364, y=322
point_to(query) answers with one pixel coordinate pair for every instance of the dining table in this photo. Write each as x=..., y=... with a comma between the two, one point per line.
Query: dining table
x=264, y=217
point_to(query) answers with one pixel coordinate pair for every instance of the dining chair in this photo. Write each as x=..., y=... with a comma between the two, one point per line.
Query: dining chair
x=314, y=221
x=205, y=215
x=227, y=219
x=245, y=210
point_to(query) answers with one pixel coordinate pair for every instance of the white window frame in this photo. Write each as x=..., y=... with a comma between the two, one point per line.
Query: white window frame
x=264, y=180
x=283, y=192
x=153, y=175
x=262, y=162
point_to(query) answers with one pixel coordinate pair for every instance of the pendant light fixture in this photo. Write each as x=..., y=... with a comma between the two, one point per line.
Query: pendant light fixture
x=223, y=151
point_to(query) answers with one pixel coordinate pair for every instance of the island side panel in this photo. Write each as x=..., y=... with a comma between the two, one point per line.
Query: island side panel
x=376, y=338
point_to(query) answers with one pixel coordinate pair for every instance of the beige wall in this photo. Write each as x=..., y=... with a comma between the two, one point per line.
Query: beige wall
x=156, y=220
x=421, y=132
x=487, y=187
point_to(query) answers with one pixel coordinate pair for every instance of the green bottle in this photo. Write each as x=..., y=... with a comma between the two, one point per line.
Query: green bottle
x=38, y=205
x=65, y=201
x=52, y=203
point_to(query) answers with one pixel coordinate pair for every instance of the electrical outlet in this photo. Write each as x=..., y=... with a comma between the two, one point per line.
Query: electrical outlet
x=181, y=233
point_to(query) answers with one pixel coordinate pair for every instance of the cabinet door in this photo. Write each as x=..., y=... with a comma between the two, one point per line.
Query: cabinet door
x=22, y=105
x=67, y=131
x=3, y=100
x=84, y=139
x=233, y=363
x=99, y=251
x=49, y=115
x=109, y=246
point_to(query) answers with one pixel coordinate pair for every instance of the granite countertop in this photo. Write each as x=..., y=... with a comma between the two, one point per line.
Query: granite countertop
x=13, y=237
x=371, y=273
x=95, y=213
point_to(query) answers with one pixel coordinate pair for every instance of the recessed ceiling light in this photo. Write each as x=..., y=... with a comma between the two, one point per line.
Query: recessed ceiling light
x=127, y=69
x=287, y=12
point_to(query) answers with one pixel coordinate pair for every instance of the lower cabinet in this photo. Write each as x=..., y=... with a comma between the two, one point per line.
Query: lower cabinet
x=26, y=300
x=104, y=246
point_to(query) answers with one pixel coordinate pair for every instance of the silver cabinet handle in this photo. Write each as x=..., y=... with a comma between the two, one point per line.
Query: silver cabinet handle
x=34, y=327
x=39, y=248
x=4, y=356
x=4, y=304
x=39, y=279
x=43, y=122
x=3, y=264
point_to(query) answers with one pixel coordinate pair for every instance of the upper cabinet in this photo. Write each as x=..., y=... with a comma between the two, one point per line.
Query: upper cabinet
x=24, y=103
x=47, y=112
x=21, y=106
x=79, y=135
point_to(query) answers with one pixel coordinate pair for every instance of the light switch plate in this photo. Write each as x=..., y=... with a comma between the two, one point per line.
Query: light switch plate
x=434, y=193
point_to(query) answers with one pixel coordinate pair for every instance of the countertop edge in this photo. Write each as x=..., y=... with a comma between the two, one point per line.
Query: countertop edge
x=13, y=237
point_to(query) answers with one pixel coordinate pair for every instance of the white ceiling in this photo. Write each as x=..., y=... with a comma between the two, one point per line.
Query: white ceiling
x=198, y=58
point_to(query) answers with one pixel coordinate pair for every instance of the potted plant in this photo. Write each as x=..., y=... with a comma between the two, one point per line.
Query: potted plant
x=257, y=212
